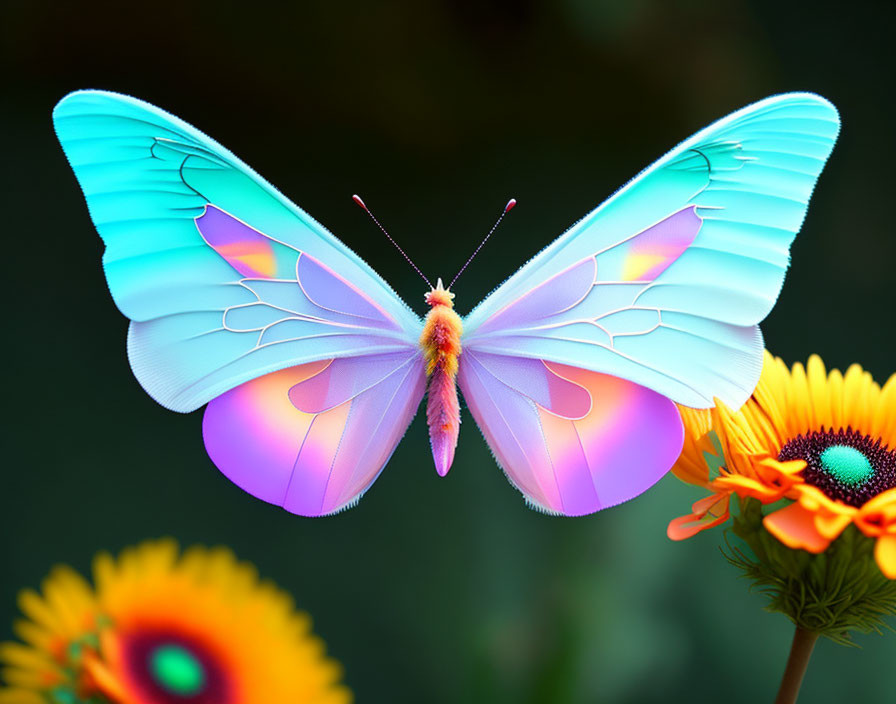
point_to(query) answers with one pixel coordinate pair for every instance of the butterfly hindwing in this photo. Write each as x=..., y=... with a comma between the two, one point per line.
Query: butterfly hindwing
x=662, y=286
x=313, y=438
x=235, y=294
x=572, y=441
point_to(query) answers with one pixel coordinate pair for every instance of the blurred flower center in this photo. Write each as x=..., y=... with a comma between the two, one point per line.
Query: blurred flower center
x=846, y=465
x=176, y=669
x=172, y=667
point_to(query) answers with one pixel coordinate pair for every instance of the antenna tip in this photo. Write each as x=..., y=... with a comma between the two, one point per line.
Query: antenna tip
x=510, y=205
x=360, y=202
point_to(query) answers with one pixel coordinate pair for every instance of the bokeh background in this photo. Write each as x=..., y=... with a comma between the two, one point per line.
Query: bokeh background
x=436, y=590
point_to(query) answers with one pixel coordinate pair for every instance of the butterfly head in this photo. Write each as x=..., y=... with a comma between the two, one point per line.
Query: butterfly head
x=440, y=296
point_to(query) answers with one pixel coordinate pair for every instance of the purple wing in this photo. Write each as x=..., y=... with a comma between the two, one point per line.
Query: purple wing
x=572, y=441
x=313, y=438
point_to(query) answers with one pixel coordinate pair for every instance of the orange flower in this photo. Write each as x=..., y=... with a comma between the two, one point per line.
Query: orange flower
x=820, y=441
x=160, y=628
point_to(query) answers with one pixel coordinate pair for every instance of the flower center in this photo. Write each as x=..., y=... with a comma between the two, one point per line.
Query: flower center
x=846, y=465
x=177, y=670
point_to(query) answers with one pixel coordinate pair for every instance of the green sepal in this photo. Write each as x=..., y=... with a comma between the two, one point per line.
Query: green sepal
x=65, y=694
x=714, y=462
x=834, y=593
x=73, y=666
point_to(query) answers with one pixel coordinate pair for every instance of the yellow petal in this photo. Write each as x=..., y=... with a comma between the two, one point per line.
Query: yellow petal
x=885, y=555
x=691, y=464
x=883, y=423
x=20, y=696
x=819, y=400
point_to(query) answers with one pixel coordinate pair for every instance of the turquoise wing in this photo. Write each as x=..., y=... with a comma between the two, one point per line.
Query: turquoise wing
x=204, y=257
x=665, y=283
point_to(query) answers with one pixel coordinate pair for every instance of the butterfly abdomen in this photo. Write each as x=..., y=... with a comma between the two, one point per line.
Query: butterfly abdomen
x=440, y=341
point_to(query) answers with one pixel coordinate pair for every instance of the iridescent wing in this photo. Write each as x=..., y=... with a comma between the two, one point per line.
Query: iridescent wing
x=313, y=438
x=662, y=286
x=571, y=440
x=227, y=283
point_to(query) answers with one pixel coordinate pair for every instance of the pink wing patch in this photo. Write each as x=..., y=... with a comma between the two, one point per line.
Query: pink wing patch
x=651, y=252
x=243, y=247
x=568, y=294
x=562, y=461
x=314, y=437
x=543, y=384
x=254, y=255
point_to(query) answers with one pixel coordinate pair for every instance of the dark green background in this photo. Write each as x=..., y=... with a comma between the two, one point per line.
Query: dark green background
x=437, y=590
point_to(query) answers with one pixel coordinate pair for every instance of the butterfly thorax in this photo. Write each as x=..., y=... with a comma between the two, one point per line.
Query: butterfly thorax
x=440, y=342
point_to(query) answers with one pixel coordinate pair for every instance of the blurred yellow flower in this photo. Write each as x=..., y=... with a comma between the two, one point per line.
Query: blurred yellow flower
x=162, y=627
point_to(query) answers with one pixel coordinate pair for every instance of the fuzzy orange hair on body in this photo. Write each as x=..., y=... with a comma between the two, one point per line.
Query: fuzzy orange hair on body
x=440, y=341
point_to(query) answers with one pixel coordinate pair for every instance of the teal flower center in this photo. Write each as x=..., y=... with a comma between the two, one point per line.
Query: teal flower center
x=177, y=670
x=846, y=464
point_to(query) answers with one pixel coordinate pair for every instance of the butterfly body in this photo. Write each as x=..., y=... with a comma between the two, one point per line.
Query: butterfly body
x=311, y=367
x=440, y=341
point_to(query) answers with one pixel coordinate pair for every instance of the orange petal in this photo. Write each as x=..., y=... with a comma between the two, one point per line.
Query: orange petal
x=686, y=527
x=814, y=499
x=831, y=525
x=885, y=503
x=707, y=512
x=105, y=673
x=746, y=486
x=873, y=525
x=779, y=476
x=772, y=468
x=795, y=527
x=714, y=504
x=885, y=554
x=878, y=515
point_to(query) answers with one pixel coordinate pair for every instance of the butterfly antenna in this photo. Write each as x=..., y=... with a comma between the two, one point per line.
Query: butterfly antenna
x=363, y=205
x=507, y=209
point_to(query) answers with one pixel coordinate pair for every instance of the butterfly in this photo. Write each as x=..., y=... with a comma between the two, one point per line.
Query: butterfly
x=312, y=368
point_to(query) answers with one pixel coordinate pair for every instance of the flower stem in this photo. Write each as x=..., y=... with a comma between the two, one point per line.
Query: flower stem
x=797, y=662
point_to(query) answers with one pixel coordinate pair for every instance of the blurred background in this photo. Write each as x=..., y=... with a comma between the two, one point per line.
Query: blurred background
x=437, y=590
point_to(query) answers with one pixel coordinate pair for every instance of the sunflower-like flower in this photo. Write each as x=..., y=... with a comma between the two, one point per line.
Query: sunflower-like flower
x=824, y=443
x=806, y=473
x=162, y=627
